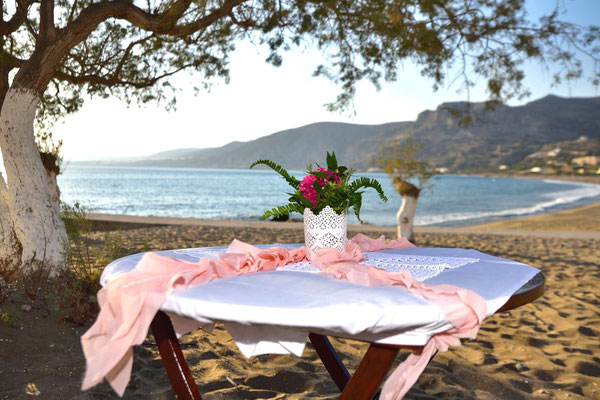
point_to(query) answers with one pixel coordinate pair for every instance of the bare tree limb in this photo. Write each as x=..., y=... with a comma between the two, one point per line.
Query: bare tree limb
x=9, y=61
x=22, y=7
x=163, y=23
x=126, y=54
x=47, y=20
x=115, y=81
x=10, y=26
x=72, y=11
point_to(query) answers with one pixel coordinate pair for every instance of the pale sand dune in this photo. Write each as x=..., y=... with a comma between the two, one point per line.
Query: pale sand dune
x=548, y=349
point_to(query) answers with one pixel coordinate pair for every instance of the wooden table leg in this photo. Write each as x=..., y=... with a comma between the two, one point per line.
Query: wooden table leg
x=330, y=359
x=361, y=386
x=178, y=371
x=370, y=372
x=412, y=348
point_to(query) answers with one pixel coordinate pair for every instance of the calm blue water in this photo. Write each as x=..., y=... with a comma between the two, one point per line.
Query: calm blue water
x=246, y=194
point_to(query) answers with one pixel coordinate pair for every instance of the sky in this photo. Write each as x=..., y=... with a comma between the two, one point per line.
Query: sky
x=261, y=99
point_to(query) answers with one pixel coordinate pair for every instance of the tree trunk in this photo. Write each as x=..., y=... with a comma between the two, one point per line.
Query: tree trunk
x=51, y=165
x=51, y=179
x=405, y=217
x=34, y=215
x=10, y=250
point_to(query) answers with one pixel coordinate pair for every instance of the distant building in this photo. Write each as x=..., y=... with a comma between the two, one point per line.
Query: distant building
x=503, y=167
x=553, y=152
x=441, y=170
x=587, y=160
x=537, y=154
x=581, y=139
x=535, y=170
x=566, y=169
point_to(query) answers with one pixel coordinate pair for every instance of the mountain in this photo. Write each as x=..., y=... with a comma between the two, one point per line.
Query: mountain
x=175, y=154
x=292, y=148
x=504, y=136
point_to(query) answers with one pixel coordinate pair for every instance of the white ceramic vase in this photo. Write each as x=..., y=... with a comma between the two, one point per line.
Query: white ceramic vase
x=327, y=229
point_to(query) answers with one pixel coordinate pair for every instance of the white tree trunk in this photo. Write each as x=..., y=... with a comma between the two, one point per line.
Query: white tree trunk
x=35, y=216
x=10, y=251
x=51, y=179
x=405, y=217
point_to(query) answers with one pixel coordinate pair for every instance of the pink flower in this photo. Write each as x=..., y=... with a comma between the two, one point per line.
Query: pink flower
x=307, y=190
x=306, y=184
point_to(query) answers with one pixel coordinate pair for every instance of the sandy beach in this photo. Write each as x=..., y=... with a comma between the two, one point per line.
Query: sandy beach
x=547, y=349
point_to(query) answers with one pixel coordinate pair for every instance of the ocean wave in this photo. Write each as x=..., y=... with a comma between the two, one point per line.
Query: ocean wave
x=583, y=190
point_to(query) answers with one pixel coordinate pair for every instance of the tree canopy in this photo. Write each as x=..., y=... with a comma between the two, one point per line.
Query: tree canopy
x=405, y=168
x=129, y=49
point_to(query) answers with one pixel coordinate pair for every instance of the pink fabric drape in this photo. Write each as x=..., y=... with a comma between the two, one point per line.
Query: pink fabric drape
x=129, y=302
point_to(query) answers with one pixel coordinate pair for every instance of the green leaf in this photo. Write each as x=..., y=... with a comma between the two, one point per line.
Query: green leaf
x=317, y=187
x=319, y=174
x=279, y=169
x=367, y=183
x=332, y=164
x=283, y=210
x=298, y=198
x=356, y=204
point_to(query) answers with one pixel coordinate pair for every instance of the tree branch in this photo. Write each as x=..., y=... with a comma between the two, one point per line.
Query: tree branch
x=114, y=80
x=126, y=54
x=72, y=12
x=47, y=20
x=22, y=7
x=10, y=26
x=10, y=61
x=245, y=24
x=94, y=14
x=163, y=23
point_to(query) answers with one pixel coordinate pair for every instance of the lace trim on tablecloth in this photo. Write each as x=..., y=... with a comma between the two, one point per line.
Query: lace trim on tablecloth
x=420, y=267
x=209, y=252
x=199, y=252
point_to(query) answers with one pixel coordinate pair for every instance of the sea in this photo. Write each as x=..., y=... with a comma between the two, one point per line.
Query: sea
x=447, y=200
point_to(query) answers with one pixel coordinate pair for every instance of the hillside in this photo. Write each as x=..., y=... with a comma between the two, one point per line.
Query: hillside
x=292, y=148
x=505, y=136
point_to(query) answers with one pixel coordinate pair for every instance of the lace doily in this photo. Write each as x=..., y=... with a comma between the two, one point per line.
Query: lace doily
x=420, y=267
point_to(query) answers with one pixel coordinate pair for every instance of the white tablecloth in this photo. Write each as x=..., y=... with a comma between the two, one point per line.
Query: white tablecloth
x=273, y=312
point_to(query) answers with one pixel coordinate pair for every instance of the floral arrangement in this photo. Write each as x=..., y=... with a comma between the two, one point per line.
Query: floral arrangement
x=323, y=187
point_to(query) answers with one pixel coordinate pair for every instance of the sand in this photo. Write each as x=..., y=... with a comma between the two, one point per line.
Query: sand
x=582, y=219
x=547, y=349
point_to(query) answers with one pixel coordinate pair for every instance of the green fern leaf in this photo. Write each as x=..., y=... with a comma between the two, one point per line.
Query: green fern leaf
x=356, y=203
x=283, y=210
x=367, y=183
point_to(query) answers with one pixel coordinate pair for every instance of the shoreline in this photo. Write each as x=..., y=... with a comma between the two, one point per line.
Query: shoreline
x=450, y=225
x=581, y=222
x=558, y=179
x=595, y=179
